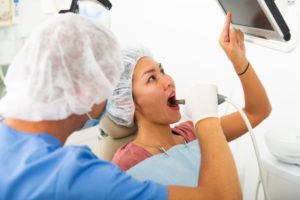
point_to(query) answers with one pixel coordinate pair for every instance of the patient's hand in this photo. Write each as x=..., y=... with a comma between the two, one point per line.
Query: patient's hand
x=232, y=42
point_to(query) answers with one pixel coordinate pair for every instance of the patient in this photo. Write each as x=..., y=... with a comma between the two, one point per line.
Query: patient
x=145, y=95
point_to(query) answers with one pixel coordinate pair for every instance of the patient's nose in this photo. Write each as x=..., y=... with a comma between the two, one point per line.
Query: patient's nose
x=168, y=82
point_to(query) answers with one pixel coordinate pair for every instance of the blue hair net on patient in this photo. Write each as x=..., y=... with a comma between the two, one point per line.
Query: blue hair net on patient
x=121, y=102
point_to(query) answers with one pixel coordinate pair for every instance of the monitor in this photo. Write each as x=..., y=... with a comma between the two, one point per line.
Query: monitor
x=258, y=18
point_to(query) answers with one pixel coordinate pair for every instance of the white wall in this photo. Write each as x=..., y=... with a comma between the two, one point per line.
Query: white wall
x=183, y=35
x=12, y=37
x=31, y=13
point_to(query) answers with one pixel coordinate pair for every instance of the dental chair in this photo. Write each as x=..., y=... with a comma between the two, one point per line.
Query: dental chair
x=114, y=136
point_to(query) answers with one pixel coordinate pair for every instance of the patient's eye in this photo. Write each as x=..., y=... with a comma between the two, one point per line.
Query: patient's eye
x=151, y=78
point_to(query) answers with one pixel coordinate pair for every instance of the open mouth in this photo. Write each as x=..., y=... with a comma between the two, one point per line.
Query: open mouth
x=172, y=101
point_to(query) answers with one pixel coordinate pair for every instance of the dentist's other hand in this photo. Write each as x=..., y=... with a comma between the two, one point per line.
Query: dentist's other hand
x=232, y=42
x=201, y=102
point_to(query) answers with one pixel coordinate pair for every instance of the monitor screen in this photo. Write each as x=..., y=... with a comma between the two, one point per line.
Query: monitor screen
x=246, y=13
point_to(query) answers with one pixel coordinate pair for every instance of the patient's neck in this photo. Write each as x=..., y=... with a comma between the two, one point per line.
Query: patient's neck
x=150, y=133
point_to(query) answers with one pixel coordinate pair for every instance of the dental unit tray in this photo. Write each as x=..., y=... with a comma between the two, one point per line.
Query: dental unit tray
x=258, y=18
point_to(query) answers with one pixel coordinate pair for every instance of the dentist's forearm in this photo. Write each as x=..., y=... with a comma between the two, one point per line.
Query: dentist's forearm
x=218, y=177
x=218, y=169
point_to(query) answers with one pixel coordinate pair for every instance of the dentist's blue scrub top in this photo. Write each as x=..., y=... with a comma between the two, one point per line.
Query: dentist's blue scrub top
x=36, y=166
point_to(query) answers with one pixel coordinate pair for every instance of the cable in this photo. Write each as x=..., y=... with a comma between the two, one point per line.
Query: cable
x=258, y=158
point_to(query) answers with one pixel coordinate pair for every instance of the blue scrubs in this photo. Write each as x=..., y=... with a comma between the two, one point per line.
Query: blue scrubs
x=37, y=166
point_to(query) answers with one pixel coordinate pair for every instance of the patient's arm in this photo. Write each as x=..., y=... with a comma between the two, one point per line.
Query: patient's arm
x=218, y=175
x=257, y=106
x=218, y=178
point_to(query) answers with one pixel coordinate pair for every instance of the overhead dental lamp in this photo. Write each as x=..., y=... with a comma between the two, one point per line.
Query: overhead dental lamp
x=75, y=8
x=264, y=22
x=97, y=10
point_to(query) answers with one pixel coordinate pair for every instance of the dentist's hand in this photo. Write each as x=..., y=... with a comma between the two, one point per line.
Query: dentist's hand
x=232, y=42
x=201, y=102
